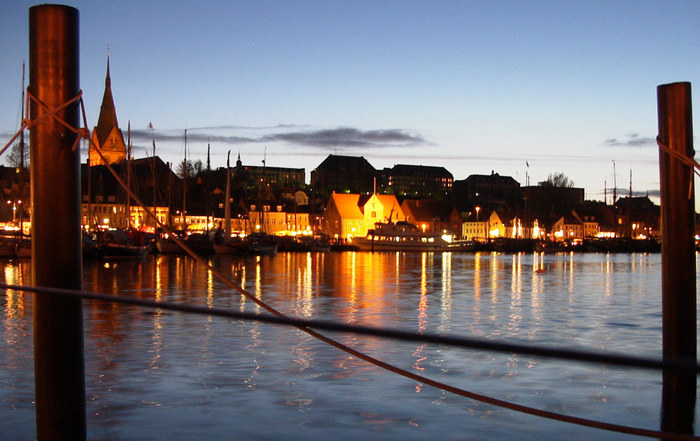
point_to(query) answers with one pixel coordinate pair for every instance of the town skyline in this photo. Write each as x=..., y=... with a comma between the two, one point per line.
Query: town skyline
x=521, y=89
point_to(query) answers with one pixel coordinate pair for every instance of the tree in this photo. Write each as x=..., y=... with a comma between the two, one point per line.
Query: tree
x=559, y=180
x=14, y=156
x=194, y=168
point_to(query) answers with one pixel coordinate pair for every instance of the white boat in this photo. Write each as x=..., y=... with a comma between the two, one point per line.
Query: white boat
x=404, y=236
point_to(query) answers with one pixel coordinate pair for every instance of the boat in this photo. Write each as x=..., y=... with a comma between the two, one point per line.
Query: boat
x=166, y=245
x=234, y=246
x=223, y=242
x=404, y=236
x=261, y=244
x=317, y=244
x=122, y=243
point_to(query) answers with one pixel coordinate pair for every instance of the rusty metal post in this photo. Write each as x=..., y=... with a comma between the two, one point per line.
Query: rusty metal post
x=678, y=254
x=56, y=237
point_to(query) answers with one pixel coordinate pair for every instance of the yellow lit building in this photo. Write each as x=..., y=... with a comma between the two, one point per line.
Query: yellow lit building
x=351, y=215
x=107, y=135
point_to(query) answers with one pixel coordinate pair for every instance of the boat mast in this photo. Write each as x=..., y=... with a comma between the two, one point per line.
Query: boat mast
x=128, y=177
x=153, y=170
x=21, y=164
x=184, y=186
x=227, y=201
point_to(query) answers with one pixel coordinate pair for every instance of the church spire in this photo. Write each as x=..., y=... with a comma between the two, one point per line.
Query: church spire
x=108, y=114
x=107, y=134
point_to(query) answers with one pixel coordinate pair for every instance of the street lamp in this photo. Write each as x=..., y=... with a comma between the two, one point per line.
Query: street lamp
x=477, y=213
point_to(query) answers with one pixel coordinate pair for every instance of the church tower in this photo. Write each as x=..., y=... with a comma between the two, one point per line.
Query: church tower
x=107, y=134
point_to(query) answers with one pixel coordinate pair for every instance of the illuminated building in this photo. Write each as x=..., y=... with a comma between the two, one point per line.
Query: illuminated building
x=416, y=181
x=351, y=215
x=107, y=134
x=433, y=215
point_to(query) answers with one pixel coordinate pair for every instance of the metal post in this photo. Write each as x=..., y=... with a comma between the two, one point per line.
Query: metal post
x=678, y=254
x=56, y=241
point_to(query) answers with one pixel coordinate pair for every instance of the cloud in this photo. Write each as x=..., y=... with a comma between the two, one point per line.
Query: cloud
x=631, y=140
x=347, y=137
x=145, y=136
x=342, y=137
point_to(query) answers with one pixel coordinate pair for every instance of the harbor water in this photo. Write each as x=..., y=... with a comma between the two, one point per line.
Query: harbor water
x=163, y=375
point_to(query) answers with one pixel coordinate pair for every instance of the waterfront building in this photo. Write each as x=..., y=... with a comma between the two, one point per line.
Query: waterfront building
x=637, y=217
x=104, y=201
x=343, y=174
x=566, y=228
x=273, y=176
x=490, y=192
x=514, y=225
x=588, y=218
x=432, y=215
x=352, y=215
x=553, y=200
x=416, y=181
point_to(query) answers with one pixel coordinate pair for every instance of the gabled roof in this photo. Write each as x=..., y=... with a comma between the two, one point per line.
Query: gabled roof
x=389, y=202
x=505, y=215
x=347, y=205
x=570, y=219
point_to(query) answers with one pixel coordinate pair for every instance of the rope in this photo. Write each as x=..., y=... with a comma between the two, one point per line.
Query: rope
x=306, y=324
x=688, y=161
x=681, y=365
x=483, y=398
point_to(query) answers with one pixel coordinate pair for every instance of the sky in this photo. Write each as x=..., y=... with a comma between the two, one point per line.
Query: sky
x=519, y=88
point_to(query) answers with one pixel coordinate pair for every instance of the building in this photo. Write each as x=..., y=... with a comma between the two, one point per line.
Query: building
x=489, y=192
x=433, y=215
x=637, y=217
x=104, y=201
x=107, y=136
x=343, y=174
x=552, y=200
x=352, y=215
x=566, y=228
x=274, y=176
x=416, y=181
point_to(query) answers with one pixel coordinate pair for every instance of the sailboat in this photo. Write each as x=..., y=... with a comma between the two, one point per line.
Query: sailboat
x=260, y=242
x=124, y=242
x=24, y=244
x=199, y=243
x=227, y=244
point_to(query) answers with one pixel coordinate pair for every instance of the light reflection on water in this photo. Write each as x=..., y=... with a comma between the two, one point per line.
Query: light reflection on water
x=165, y=375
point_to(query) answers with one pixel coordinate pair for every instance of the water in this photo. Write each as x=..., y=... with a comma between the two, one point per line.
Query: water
x=174, y=376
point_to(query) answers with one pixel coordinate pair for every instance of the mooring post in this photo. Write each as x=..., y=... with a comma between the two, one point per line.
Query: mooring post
x=678, y=254
x=56, y=238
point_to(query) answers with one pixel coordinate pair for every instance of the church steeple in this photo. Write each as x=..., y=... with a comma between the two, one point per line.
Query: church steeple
x=107, y=133
x=108, y=113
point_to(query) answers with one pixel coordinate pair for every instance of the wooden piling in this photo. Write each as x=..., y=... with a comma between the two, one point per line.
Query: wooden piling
x=678, y=254
x=56, y=237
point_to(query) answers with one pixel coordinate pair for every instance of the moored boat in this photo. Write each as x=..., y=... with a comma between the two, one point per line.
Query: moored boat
x=404, y=236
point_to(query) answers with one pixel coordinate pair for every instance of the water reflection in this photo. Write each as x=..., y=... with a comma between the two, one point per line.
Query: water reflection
x=139, y=360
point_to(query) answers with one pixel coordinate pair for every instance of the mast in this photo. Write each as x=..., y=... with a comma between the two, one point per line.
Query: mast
x=21, y=164
x=170, y=196
x=227, y=201
x=262, y=192
x=153, y=168
x=184, y=187
x=128, y=176
x=614, y=184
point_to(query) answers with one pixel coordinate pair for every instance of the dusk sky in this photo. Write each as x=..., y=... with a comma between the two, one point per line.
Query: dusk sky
x=474, y=86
